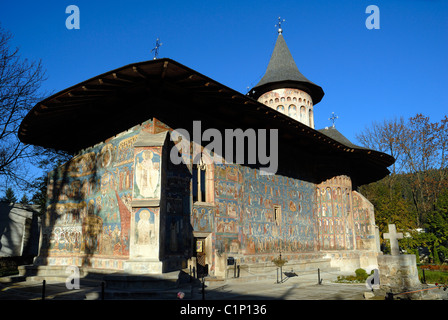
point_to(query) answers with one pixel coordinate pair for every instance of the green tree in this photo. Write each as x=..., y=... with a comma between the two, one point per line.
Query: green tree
x=24, y=200
x=39, y=197
x=437, y=224
x=9, y=196
x=415, y=195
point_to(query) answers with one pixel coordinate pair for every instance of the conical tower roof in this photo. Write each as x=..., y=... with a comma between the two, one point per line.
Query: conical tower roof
x=282, y=72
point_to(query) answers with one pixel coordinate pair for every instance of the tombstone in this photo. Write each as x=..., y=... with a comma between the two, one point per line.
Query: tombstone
x=398, y=272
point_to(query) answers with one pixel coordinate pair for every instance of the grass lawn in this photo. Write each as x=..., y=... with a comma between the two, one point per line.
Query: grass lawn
x=433, y=276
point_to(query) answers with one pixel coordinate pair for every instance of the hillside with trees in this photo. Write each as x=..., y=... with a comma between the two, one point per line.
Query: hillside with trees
x=415, y=195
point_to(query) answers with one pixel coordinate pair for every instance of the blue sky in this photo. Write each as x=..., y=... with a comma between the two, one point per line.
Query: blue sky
x=367, y=75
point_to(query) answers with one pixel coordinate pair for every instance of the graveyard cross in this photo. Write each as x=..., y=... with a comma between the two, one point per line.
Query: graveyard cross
x=393, y=236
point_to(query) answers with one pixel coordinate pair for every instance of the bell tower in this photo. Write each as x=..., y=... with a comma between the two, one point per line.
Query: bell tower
x=284, y=88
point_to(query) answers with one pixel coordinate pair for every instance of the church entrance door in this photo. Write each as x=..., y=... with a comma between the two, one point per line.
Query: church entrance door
x=201, y=266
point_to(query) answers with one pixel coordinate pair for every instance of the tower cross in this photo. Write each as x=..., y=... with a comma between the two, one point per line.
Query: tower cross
x=279, y=25
x=156, y=48
x=393, y=236
x=333, y=118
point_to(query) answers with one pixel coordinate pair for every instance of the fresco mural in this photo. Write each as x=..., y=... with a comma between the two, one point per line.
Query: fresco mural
x=335, y=217
x=89, y=213
x=146, y=233
x=245, y=212
x=363, y=222
x=147, y=173
x=89, y=201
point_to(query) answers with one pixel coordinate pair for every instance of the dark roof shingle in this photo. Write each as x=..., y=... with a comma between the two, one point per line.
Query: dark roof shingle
x=282, y=72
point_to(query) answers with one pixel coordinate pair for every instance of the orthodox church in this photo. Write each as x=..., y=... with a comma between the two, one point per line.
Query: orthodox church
x=122, y=205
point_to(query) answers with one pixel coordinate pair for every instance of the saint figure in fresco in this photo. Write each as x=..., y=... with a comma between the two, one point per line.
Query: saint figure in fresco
x=147, y=175
x=143, y=227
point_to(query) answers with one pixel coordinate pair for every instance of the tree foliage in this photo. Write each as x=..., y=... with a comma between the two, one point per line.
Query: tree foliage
x=9, y=196
x=414, y=194
x=20, y=90
x=20, y=82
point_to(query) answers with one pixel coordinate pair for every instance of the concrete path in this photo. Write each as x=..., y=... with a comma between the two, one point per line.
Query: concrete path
x=302, y=287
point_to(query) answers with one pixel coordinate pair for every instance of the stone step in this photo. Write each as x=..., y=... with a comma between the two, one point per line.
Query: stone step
x=33, y=270
x=12, y=279
x=291, y=266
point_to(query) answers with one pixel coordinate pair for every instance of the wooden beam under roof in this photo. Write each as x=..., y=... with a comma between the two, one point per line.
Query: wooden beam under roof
x=120, y=76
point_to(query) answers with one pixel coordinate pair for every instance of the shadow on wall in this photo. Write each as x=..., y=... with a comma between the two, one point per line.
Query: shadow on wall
x=70, y=224
x=88, y=216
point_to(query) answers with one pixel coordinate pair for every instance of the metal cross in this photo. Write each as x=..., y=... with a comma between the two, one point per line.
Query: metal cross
x=279, y=25
x=156, y=48
x=333, y=118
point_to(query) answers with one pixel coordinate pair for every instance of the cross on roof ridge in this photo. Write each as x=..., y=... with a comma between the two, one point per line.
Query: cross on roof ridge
x=279, y=25
x=156, y=48
x=333, y=118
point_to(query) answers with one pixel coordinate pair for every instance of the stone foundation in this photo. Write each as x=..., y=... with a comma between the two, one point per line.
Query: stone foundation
x=398, y=273
x=350, y=260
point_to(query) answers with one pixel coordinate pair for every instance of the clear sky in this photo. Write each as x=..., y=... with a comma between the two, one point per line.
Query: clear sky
x=368, y=75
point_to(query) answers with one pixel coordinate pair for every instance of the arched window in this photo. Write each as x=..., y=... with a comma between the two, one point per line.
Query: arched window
x=292, y=111
x=311, y=118
x=276, y=100
x=282, y=99
x=302, y=113
x=281, y=109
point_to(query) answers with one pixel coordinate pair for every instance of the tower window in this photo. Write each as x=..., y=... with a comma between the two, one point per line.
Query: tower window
x=302, y=112
x=292, y=111
x=199, y=175
x=277, y=214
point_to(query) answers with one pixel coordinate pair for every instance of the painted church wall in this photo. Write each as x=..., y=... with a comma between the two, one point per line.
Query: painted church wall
x=89, y=203
x=178, y=228
x=333, y=198
x=346, y=218
x=364, y=222
x=259, y=215
x=91, y=217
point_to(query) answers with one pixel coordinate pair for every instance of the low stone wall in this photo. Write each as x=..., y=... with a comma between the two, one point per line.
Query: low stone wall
x=351, y=260
x=257, y=267
x=10, y=265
